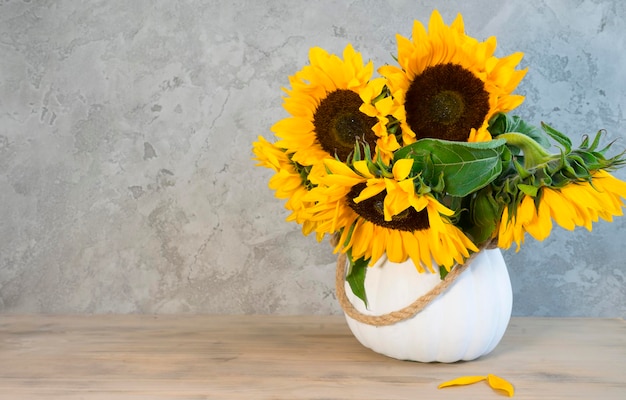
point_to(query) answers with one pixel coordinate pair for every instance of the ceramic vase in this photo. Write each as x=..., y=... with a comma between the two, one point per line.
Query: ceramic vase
x=465, y=322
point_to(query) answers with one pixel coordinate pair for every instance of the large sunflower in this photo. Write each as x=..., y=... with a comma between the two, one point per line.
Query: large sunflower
x=449, y=85
x=575, y=204
x=385, y=215
x=324, y=102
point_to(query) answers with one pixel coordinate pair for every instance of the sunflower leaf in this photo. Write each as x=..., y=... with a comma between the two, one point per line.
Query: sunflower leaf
x=465, y=167
x=356, y=278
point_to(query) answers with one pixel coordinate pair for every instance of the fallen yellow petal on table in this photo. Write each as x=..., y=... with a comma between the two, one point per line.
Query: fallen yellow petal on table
x=463, y=380
x=495, y=382
x=500, y=384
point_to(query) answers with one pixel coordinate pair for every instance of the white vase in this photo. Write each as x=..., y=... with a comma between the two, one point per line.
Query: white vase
x=463, y=323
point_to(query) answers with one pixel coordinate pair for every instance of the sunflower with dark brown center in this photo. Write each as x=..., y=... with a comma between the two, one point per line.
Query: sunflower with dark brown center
x=449, y=84
x=324, y=104
x=377, y=216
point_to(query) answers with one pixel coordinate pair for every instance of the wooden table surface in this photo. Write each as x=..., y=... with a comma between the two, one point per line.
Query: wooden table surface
x=289, y=357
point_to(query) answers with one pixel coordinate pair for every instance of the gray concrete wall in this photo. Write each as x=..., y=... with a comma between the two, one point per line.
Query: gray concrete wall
x=126, y=179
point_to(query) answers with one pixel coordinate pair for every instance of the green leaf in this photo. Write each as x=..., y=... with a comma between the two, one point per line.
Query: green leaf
x=596, y=141
x=529, y=190
x=561, y=138
x=465, y=167
x=443, y=272
x=356, y=278
x=498, y=124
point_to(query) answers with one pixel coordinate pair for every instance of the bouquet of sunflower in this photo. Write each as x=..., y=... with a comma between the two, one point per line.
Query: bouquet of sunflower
x=425, y=162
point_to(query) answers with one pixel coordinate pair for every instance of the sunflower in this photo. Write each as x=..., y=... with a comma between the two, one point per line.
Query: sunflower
x=287, y=182
x=377, y=215
x=324, y=103
x=575, y=204
x=449, y=85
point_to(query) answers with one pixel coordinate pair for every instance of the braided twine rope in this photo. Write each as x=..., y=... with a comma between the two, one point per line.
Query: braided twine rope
x=406, y=312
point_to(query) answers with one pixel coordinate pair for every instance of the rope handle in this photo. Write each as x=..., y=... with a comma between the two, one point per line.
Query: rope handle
x=406, y=312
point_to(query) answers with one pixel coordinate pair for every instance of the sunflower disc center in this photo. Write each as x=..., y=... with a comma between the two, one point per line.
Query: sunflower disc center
x=447, y=107
x=346, y=129
x=339, y=124
x=446, y=101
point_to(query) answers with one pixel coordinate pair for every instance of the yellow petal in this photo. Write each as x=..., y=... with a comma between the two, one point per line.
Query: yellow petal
x=412, y=246
x=407, y=186
x=541, y=227
x=441, y=209
x=561, y=210
x=495, y=382
x=419, y=202
x=505, y=231
x=337, y=167
x=361, y=167
x=395, y=249
x=610, y=183
x=341, y=180
x=500, y=384
x=462, y=380
x=422, y=250
x=402, y=168
x=394, y=205
x=378, y=245
x=526, y=211
x=370, y=191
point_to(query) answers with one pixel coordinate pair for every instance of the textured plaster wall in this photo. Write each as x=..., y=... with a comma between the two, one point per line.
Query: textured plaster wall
x=126, y=179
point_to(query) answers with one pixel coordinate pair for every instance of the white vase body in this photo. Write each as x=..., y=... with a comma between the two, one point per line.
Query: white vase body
x=465, y=322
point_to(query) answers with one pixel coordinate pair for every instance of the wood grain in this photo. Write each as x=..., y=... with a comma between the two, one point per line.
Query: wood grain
x=289, y=357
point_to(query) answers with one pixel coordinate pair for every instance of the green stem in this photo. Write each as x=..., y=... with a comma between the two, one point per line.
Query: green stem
x=534, y=153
